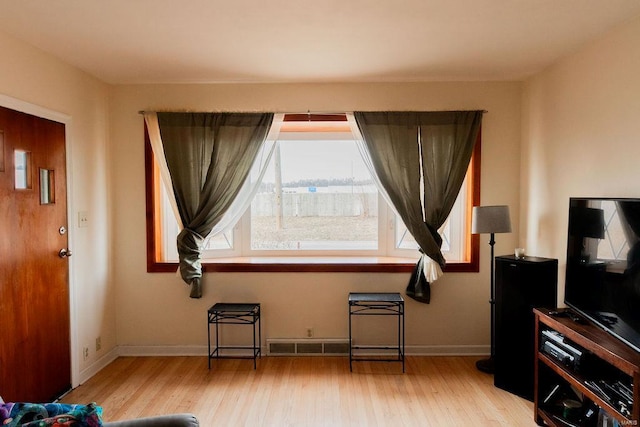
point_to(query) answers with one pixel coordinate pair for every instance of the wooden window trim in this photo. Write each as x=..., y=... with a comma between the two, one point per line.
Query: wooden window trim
x=311, y=265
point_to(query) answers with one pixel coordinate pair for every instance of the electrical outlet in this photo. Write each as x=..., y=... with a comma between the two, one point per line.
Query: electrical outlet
x=83, y=219
x=98, y=343
x=309, y=332
x=85, y=353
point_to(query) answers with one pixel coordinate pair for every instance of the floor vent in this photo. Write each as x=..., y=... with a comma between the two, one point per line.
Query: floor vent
x=307, y=347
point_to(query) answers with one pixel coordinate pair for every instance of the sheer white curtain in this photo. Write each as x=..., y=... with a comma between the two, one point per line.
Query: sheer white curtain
x=153, y=130
x=366, y=158
x=251, y=186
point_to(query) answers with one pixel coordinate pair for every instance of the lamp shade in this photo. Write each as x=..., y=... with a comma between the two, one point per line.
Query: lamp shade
x=586, y=222
x=490, y=219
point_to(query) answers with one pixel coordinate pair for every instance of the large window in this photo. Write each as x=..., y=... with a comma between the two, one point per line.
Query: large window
x=316, y=196
x=316, y=209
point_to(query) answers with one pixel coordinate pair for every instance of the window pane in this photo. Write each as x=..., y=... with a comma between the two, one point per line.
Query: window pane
x=47, y=187
x=614, y=246
x=22, y=161
x=316, y=195
x=171, y=231
x=452, y=231
x=403, y=239
x=222, y=241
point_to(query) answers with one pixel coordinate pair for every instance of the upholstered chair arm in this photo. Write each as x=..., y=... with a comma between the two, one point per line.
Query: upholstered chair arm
x=175, y=420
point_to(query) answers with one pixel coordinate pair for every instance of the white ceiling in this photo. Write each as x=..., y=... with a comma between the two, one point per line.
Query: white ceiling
x=204, y=41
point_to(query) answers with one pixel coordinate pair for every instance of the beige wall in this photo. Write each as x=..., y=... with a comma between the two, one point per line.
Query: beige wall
x=581, y=136
x=154, y=310
x=31, y=81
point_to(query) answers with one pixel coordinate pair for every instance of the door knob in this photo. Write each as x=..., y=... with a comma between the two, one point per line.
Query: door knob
x=64, y=253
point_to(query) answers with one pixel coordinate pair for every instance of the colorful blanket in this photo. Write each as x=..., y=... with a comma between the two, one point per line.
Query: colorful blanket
x=49, y=415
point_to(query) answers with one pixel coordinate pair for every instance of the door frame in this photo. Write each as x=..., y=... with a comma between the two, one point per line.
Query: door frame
x=66, y=120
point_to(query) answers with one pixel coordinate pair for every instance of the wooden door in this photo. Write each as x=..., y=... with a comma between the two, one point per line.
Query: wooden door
x=35, y=360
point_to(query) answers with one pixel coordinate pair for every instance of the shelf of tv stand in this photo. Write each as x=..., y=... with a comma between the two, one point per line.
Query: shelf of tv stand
x=601, y=345
x=578, y=382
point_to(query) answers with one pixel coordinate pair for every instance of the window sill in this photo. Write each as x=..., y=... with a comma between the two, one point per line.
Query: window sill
x=311, y=265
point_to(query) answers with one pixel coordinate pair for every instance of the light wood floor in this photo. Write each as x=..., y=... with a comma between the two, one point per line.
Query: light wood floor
x=305, y=391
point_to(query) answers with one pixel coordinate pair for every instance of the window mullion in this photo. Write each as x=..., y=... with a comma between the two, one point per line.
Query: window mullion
x=384, y=230
x=245, y=233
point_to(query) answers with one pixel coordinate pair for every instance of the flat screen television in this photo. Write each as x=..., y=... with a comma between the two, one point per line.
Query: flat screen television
x=603, y=264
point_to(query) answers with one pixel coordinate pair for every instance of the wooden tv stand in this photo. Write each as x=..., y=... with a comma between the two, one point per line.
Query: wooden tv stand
x=604, y=358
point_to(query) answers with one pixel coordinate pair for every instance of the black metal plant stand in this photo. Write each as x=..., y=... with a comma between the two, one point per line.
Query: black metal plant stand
x=377, y=304
x=234, y=314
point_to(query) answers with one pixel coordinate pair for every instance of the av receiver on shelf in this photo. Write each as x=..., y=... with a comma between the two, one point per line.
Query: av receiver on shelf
x=553, y=345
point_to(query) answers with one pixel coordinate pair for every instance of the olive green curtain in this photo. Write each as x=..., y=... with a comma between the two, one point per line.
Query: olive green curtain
x=421, y=159
x=209, y=156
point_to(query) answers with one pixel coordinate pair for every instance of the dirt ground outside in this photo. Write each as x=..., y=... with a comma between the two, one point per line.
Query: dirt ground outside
x=315, y=232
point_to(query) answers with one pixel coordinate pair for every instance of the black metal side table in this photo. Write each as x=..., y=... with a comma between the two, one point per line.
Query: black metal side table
x=234, y=314
x=377, y=304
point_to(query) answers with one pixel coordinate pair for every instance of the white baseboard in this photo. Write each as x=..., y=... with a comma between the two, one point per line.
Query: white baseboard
x=162, y=350
x=98, y=365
